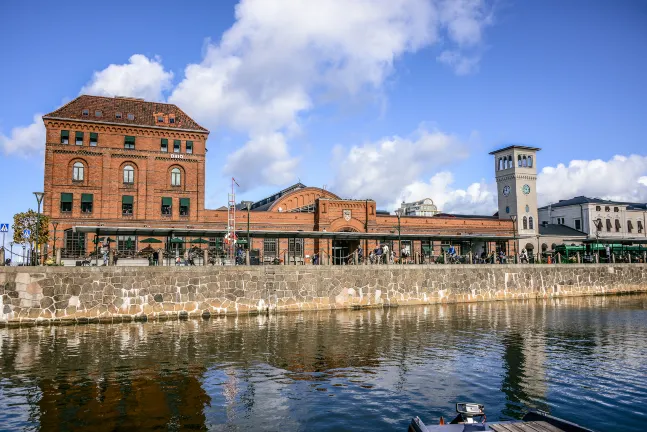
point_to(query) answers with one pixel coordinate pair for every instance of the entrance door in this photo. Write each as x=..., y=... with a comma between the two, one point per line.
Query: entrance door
x=342, y=249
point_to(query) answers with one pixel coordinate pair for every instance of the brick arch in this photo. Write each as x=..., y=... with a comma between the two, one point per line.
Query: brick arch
x=306, y=196
x=182, y=177
x=342, y=225
x=86, y=170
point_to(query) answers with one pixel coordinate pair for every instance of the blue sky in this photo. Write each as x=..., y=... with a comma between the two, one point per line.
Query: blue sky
x=383, y=99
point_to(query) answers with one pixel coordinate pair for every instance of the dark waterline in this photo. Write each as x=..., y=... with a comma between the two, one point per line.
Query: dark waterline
x=584, y=359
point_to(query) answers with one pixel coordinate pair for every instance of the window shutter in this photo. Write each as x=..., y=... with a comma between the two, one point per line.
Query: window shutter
x=79, y=135
x=189, y=145
x=130, y=139
x=94, y=136
x=127, y=199
x=184, y=202
x=164, y=141
x=87, y=198
x=66, y=197
x=65, y=134
x=167, y=201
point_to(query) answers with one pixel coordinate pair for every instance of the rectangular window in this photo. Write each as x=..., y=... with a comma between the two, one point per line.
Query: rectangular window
x=131, y=116
x=608, y=225
x=98, y=113
x=295, y=247
x=160, y=119
x=86, y=203
x=66, y=202
x=640, y=226
x=171, y=120
x=618, y=225
x=78, y=138
x=184, y=206
x=127, y=205
x=127, y=245
x=215, y=243
x=74, y=244
x=578, y=224
x=176, y=146
x=598, y=208
x=65, y=137
x=427, y=247
x=405, y=249
x=94, y=139
x=164, y=145
x=189, y=147
x=118, y=115
x=85, y=113
x=616, y=209
x=630, y=226
x=167, y=203
x=269, y=247
x=129, y=142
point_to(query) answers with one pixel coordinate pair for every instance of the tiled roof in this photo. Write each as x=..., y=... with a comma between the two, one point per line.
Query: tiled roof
x=559, y=231
x=144, y=112
x=264, y=204
x=465, y=216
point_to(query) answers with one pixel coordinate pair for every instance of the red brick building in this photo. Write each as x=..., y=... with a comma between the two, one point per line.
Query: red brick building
x=128, y=168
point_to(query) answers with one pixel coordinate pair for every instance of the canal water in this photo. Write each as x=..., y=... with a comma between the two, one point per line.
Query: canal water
x=584, y=359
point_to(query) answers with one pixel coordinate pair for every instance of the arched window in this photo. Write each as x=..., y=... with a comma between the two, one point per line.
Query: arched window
x=175, y=177
x=529, y=161
x=77, y=171
x=510, y=163
x=500, y=164
x=544, y=247
x=525, y=161
x=129, y=174
x=531, y=223
x=519, y=161
x=525, y=222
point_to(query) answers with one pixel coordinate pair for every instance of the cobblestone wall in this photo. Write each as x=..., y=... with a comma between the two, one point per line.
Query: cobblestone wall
x=56, y=294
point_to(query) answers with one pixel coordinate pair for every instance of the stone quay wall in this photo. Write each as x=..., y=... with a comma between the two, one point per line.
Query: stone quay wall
x=43, y=295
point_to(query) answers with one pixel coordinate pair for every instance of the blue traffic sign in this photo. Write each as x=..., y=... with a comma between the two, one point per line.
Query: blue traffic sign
x=26, y=233
x=4, y=227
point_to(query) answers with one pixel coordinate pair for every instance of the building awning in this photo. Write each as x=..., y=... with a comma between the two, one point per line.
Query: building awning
x=167, y=201
x=127, y=199
x=66, y=197
x=199, y=232
x=184, y=202
x=87, y=198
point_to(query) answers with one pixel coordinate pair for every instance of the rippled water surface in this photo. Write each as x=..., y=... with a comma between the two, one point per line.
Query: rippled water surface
x=584, y=359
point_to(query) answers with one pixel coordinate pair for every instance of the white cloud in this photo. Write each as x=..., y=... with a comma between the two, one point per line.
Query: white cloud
x=276, y=60
x=381, y=170
x=461, y=63
x=622, y=178
x=25, y=140
x=140, y=77
x=477, y=198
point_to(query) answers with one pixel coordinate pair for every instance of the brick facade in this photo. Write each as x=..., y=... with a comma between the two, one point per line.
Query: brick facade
x=103, y=178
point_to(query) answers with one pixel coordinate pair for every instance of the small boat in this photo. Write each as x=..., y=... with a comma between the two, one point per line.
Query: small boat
x=471, y=417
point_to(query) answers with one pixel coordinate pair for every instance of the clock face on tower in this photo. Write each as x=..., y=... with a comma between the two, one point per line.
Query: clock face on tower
x=506, y=190
x=525, y=189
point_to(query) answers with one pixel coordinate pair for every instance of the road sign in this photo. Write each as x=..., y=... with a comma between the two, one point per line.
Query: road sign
x=4, y=228
x=26, y=233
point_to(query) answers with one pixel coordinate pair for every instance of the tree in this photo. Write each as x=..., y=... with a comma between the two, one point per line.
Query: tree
x=29, y=219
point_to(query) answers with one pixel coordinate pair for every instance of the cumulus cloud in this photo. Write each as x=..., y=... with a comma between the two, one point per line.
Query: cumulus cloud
x=623, y=178
x=140, y=77
x=25, y=140
x=281, y=56
x=478, y=198
x=461, y=63
x=381, y=170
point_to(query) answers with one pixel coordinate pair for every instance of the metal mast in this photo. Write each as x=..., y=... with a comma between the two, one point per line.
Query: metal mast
x=231, y=222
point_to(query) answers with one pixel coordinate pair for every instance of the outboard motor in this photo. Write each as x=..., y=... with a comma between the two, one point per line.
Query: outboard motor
x=467, y=412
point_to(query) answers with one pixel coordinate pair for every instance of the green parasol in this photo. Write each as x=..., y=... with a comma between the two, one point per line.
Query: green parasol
x=129, y=243
x=177, y=240
x=150, y=240
x=199, y=241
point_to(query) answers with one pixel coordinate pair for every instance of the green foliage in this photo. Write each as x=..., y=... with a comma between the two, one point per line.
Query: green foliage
x=29, y=219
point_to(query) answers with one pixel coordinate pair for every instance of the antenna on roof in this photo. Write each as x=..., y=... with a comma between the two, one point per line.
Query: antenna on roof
x=324, y=187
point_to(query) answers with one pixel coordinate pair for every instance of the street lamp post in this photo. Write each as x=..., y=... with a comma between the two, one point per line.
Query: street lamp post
x=249, y=246
x=55, y=225
x=514, y=235
x=39, y=199
x=23, y=253
x=398, y=213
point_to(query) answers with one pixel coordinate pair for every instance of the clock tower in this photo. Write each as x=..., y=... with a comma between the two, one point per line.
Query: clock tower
x=516, y=178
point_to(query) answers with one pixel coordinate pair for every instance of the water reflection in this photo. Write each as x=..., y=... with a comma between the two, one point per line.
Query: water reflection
x=360, y=370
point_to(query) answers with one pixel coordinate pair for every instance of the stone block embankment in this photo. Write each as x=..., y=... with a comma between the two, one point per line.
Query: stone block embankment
x=44, y=295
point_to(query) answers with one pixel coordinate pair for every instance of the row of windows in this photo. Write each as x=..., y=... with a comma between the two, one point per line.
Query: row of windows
x=295, y=247
x=79, y=138
x=118, y=115
x=129, y=142
x=78, y=174
x=609, y=225
x=127, y=204
x=523, y=161
x=607, y=209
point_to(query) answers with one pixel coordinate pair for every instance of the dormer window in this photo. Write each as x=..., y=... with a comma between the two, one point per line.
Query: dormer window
x=118, y=115
x=171, y=120
x=598, y=208
x=98, y=113
x=616, y=209
x=160, y=119
x=607, y=208
x=85, y=112
x=131, y=116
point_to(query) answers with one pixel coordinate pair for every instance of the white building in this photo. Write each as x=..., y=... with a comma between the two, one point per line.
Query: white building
x=598, y=218
x=425, y=207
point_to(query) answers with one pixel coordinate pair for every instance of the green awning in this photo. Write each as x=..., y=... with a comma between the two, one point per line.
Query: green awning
x=66, y=197
x=87, y=198
x=167, y=201
x=127, y=199
x=199, y=241
x=177, y=240
x=165, y=142
x=241, y=241
x=189, y=145
x=130, y=139
x=79, y=135
x=65, y=134
x=94, y=136
x=150, y=240
x=184, y=202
